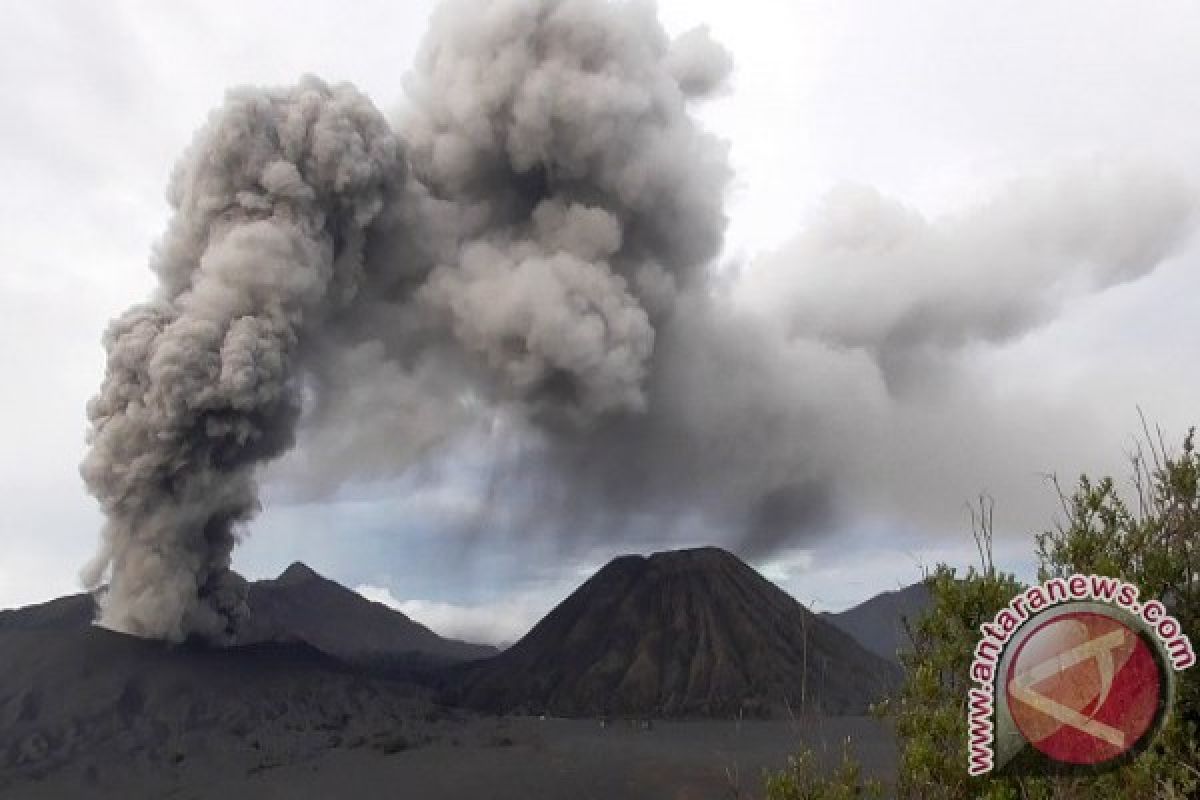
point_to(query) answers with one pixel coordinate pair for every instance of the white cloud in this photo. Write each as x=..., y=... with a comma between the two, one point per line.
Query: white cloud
x=784, y=566
x=500, y=623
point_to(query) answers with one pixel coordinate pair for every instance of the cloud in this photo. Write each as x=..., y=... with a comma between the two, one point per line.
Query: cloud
x=900, y=334
x=501, y=622
x=786, y=565
x=869, y=273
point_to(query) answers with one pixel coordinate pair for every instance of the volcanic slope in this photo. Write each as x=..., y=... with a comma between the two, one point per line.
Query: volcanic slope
x=679, y=633
x=98, y=706
x=301, y=605
x=878, y=623
x=105, y=709
x=298, y=607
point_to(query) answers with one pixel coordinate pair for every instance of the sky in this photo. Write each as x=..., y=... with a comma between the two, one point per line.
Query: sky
x=899, y=169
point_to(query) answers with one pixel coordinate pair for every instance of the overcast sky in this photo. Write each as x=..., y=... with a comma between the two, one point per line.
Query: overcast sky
x=942, y=129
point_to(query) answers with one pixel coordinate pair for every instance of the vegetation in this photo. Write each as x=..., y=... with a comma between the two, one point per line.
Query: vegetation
x=1154, y=544
x=1150, y=537
x=802, y=780
x=931, y=711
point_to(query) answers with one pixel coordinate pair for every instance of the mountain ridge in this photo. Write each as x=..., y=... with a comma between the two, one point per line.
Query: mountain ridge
x=878, y=622
x=298, y=606
x=302, y=604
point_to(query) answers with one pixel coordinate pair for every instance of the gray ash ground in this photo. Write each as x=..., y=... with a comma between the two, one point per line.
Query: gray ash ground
x=432, y=756
x=329, y=699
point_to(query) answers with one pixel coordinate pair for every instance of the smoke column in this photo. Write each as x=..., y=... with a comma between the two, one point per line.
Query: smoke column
x=550, y=198
x=272, y=207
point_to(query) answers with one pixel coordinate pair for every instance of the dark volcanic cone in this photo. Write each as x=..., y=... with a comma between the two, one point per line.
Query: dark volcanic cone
x=689, y=632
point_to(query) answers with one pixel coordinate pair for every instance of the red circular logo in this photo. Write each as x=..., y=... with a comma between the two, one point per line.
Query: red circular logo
x=1084, y=688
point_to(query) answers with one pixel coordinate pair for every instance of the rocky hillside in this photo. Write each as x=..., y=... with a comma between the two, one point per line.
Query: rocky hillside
x=681, y=633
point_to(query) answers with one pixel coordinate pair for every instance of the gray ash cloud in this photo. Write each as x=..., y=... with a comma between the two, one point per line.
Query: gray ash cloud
x=550, y=196
x=272, y=207
x=521, y=264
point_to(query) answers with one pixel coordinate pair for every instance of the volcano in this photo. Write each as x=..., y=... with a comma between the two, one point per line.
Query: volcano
x=679, y=633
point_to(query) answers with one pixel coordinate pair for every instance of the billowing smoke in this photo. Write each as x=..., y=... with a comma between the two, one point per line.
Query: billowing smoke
x=554, y=141
x=559, y=194
x=272, y=208
x=522, y=266
x=835, y=379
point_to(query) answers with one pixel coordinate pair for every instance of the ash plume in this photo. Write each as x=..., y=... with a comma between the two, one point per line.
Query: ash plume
x=836, y=379
x=272, y=206
x=559, y=194
x=988, y=274
x=521, y=265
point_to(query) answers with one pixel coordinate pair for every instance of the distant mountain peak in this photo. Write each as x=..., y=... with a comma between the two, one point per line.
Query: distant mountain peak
x=878, y=623
x=297, y=572
x=303, y=605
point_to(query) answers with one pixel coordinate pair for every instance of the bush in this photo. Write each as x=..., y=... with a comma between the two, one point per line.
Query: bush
x=1152, y=544
x=931, y=709
x=802, y=780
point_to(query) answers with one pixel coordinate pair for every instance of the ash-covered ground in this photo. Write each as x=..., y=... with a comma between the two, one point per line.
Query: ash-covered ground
x=330, y=695
x=438, y=755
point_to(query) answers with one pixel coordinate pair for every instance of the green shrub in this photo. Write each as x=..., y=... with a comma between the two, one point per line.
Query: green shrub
x=802, y=780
